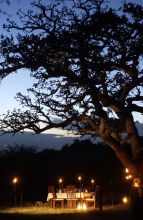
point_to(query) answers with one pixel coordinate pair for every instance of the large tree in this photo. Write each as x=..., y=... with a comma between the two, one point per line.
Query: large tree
x=87, y=65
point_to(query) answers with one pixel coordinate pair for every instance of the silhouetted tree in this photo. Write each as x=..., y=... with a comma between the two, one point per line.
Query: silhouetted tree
x=88, y=65
x=38, y=169
x=18, y=150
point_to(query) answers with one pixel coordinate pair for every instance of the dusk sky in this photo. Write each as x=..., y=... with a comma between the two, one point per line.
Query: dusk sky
x=21, y=80
x=87, y=86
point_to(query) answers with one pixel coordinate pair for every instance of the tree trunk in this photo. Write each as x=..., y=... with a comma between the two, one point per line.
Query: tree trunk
x=136, y=203
x=121, y=154
x=136, y=169
x=133, y=136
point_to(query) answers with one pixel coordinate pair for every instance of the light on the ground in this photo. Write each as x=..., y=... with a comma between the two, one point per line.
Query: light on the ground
x=81, y=206
x=84, y=206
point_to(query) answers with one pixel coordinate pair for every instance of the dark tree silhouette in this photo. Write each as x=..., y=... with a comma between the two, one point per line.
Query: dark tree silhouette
x=88, y=65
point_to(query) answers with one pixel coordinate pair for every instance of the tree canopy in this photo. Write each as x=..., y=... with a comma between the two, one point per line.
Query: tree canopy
x=87, y=65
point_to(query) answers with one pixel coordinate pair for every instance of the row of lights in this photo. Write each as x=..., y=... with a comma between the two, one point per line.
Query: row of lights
x=136, y=183
x=60, y=180
x=15, y=180
x=128, y=175
x=80, y=205
x=125, y=198
x=79, y=179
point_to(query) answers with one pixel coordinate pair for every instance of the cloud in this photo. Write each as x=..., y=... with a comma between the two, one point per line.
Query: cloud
x=54, y=138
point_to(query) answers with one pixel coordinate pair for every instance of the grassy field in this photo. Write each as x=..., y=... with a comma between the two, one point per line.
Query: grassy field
x=43, y=213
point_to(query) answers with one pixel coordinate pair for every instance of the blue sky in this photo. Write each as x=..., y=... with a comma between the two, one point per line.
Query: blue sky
x=21, y=80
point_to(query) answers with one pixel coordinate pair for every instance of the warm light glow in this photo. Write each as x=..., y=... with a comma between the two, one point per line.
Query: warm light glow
x=81, y=206
x=126, y=170
x=136, y=185
x=136, y=182
x=129, y=177
x=30, y=210
x=92, y=181
x=125, y=200
x=15, y=180
x=60, y=180
x=79, y=178
x=84, y=206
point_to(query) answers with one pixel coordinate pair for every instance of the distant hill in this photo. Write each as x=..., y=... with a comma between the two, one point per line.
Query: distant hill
x=41, y=141
x=55, y=139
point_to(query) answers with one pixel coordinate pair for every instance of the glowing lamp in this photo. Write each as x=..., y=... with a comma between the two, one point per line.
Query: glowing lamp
x=136, y=182
x=79, y=178
x=15, y=180
x=125, y=200
x=126, y=170
x=129, y=177
x=60, y=180
x=92, y=181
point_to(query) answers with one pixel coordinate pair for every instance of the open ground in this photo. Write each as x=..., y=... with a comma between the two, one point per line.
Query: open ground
x=41, y=213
